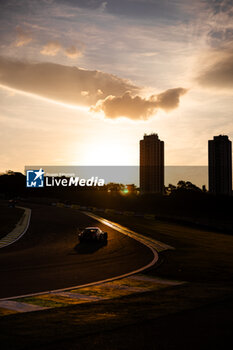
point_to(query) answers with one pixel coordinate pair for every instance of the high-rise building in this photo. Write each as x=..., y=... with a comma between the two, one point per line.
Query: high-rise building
x=151, y=164
x=220, y=165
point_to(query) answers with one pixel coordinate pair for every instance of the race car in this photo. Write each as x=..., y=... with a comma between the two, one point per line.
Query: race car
x=12, y=203
x=94, y=234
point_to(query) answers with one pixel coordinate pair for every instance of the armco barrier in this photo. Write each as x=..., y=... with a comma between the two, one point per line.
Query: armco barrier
x=178, y=219
x=75, y=206
x=110, y=211
x=149, y=216
x=60, y=205
x=128, y=213
x=107, y=210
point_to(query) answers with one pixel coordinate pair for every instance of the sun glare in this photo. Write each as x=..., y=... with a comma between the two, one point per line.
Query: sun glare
x=105, y=153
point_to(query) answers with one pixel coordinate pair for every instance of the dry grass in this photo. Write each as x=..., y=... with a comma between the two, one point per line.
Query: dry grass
x=51, y=301
x=200, y=255
x=96, y=323
x=5, y=312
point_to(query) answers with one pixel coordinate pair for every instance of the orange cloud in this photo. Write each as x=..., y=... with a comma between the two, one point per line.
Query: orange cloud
x=23, y=37
x=73, y=52
x=136, y=107
x=170, y=98
x=51, y=48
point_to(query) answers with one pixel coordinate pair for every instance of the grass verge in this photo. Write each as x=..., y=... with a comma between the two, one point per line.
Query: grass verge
x=199, y=255
x=76, y=326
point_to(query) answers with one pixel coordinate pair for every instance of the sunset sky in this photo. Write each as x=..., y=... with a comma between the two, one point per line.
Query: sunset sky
x=82, y=81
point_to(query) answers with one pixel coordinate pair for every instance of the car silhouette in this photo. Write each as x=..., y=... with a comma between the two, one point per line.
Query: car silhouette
x=94, y=234
x=12, y=203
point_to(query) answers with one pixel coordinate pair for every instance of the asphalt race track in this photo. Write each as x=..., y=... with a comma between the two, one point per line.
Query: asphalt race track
x=49, y=257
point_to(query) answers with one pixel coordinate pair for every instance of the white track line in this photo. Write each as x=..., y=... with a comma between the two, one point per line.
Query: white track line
x=14, y=235
x=159, y=246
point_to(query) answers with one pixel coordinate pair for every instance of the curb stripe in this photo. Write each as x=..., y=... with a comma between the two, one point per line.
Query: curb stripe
x=19, y=306
x=13, y=237
x=159, y=246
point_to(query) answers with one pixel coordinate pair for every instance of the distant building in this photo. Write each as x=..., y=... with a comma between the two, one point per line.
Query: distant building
x=220, y=165
x=151, y=164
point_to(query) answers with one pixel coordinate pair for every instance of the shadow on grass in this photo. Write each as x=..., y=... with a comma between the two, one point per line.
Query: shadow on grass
x=89, y=247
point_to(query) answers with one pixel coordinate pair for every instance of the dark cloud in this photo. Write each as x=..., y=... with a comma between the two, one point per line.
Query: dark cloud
x=136, y=107
x=150, y=9
x=217, y=71
x=62, y=83
x=220, y=36
x=104, y=92
x=220, y=6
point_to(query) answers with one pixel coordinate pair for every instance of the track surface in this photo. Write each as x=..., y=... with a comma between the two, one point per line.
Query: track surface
x=49, y=257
